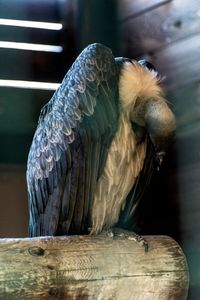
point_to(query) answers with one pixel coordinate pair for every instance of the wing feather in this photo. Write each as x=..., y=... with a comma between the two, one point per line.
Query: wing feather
x=70, y=145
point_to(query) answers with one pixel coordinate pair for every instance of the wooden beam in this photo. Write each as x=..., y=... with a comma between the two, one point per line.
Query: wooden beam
x=85, y=267
x=180, y=62
x=186, y=104
x=160, y=27
x=129, y=9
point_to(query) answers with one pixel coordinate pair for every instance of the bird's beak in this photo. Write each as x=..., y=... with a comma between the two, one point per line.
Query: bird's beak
x=159, y=159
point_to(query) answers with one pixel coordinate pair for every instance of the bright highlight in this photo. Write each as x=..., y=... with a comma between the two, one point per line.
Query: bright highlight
x=29, y=46
x=31, y=24
x=29, y=84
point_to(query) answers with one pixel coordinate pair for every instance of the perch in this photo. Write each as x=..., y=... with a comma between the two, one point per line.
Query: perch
x=85, y=267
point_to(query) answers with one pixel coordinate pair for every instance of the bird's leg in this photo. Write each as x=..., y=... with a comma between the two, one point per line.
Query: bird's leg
x=126, y=234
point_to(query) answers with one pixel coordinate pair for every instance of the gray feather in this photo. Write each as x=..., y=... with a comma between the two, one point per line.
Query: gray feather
x=68, y=147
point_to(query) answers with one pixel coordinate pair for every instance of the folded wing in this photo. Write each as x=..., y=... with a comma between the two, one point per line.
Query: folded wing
x=70, y=145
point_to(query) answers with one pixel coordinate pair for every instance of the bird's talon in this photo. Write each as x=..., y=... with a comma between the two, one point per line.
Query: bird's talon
x=144, y=243
x=110, y=234
x=121, y=234
x=132, y=236
x=146, y=246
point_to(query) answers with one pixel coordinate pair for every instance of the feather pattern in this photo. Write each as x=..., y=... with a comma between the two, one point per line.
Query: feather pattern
x=121, y=179
x=67, y=143
x=124, y=162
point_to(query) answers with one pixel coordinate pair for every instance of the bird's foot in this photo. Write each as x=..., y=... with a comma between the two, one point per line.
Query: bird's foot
x=126, y=234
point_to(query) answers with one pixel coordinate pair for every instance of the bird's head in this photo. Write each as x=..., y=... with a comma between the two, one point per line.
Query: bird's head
x=149, y=111
x=148, y=66
x=160, y=125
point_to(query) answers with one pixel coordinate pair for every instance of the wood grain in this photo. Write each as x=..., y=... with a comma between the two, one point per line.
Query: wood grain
x=186, y=102
x=160, y=27
x=179, y=62
x=129, y=9
x=84, y=267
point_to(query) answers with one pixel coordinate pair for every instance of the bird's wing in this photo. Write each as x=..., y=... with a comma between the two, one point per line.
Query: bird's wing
x=70, y=145
x=129, y=216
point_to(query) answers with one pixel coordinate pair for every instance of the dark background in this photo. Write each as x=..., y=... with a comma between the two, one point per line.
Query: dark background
x=165, y=32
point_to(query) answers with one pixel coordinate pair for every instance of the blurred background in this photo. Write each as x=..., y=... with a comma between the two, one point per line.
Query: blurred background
x=39, y=40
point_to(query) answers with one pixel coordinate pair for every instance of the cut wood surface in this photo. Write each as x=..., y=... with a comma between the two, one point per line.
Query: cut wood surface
x=85, y=267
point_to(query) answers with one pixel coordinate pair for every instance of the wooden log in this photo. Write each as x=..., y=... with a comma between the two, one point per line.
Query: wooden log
x=84, y=267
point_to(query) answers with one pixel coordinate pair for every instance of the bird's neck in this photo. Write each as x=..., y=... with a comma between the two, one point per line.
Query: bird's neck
x=136, y=83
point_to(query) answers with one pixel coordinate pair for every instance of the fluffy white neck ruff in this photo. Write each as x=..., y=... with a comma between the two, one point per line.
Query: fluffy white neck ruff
x=137, y=82
x=125, y=156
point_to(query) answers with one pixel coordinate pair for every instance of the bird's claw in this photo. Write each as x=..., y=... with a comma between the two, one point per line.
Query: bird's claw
x=130, y=235
x=142, y=242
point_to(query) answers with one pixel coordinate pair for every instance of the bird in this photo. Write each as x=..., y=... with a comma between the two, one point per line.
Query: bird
x=98, y=141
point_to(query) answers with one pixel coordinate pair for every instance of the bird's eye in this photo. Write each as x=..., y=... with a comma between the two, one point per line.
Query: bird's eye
x=146, y=64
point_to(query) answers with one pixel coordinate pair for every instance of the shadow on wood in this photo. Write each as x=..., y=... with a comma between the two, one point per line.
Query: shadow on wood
x=85, y=267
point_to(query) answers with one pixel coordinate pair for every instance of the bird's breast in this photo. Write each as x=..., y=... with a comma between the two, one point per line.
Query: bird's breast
x=124, y=162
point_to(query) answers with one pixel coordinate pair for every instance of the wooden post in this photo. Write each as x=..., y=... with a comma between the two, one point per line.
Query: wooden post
x=85, y=267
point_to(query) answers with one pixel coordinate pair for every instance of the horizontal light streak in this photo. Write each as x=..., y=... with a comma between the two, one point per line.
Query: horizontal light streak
x=29, y=84
x=31, y=24
x=30, y=46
